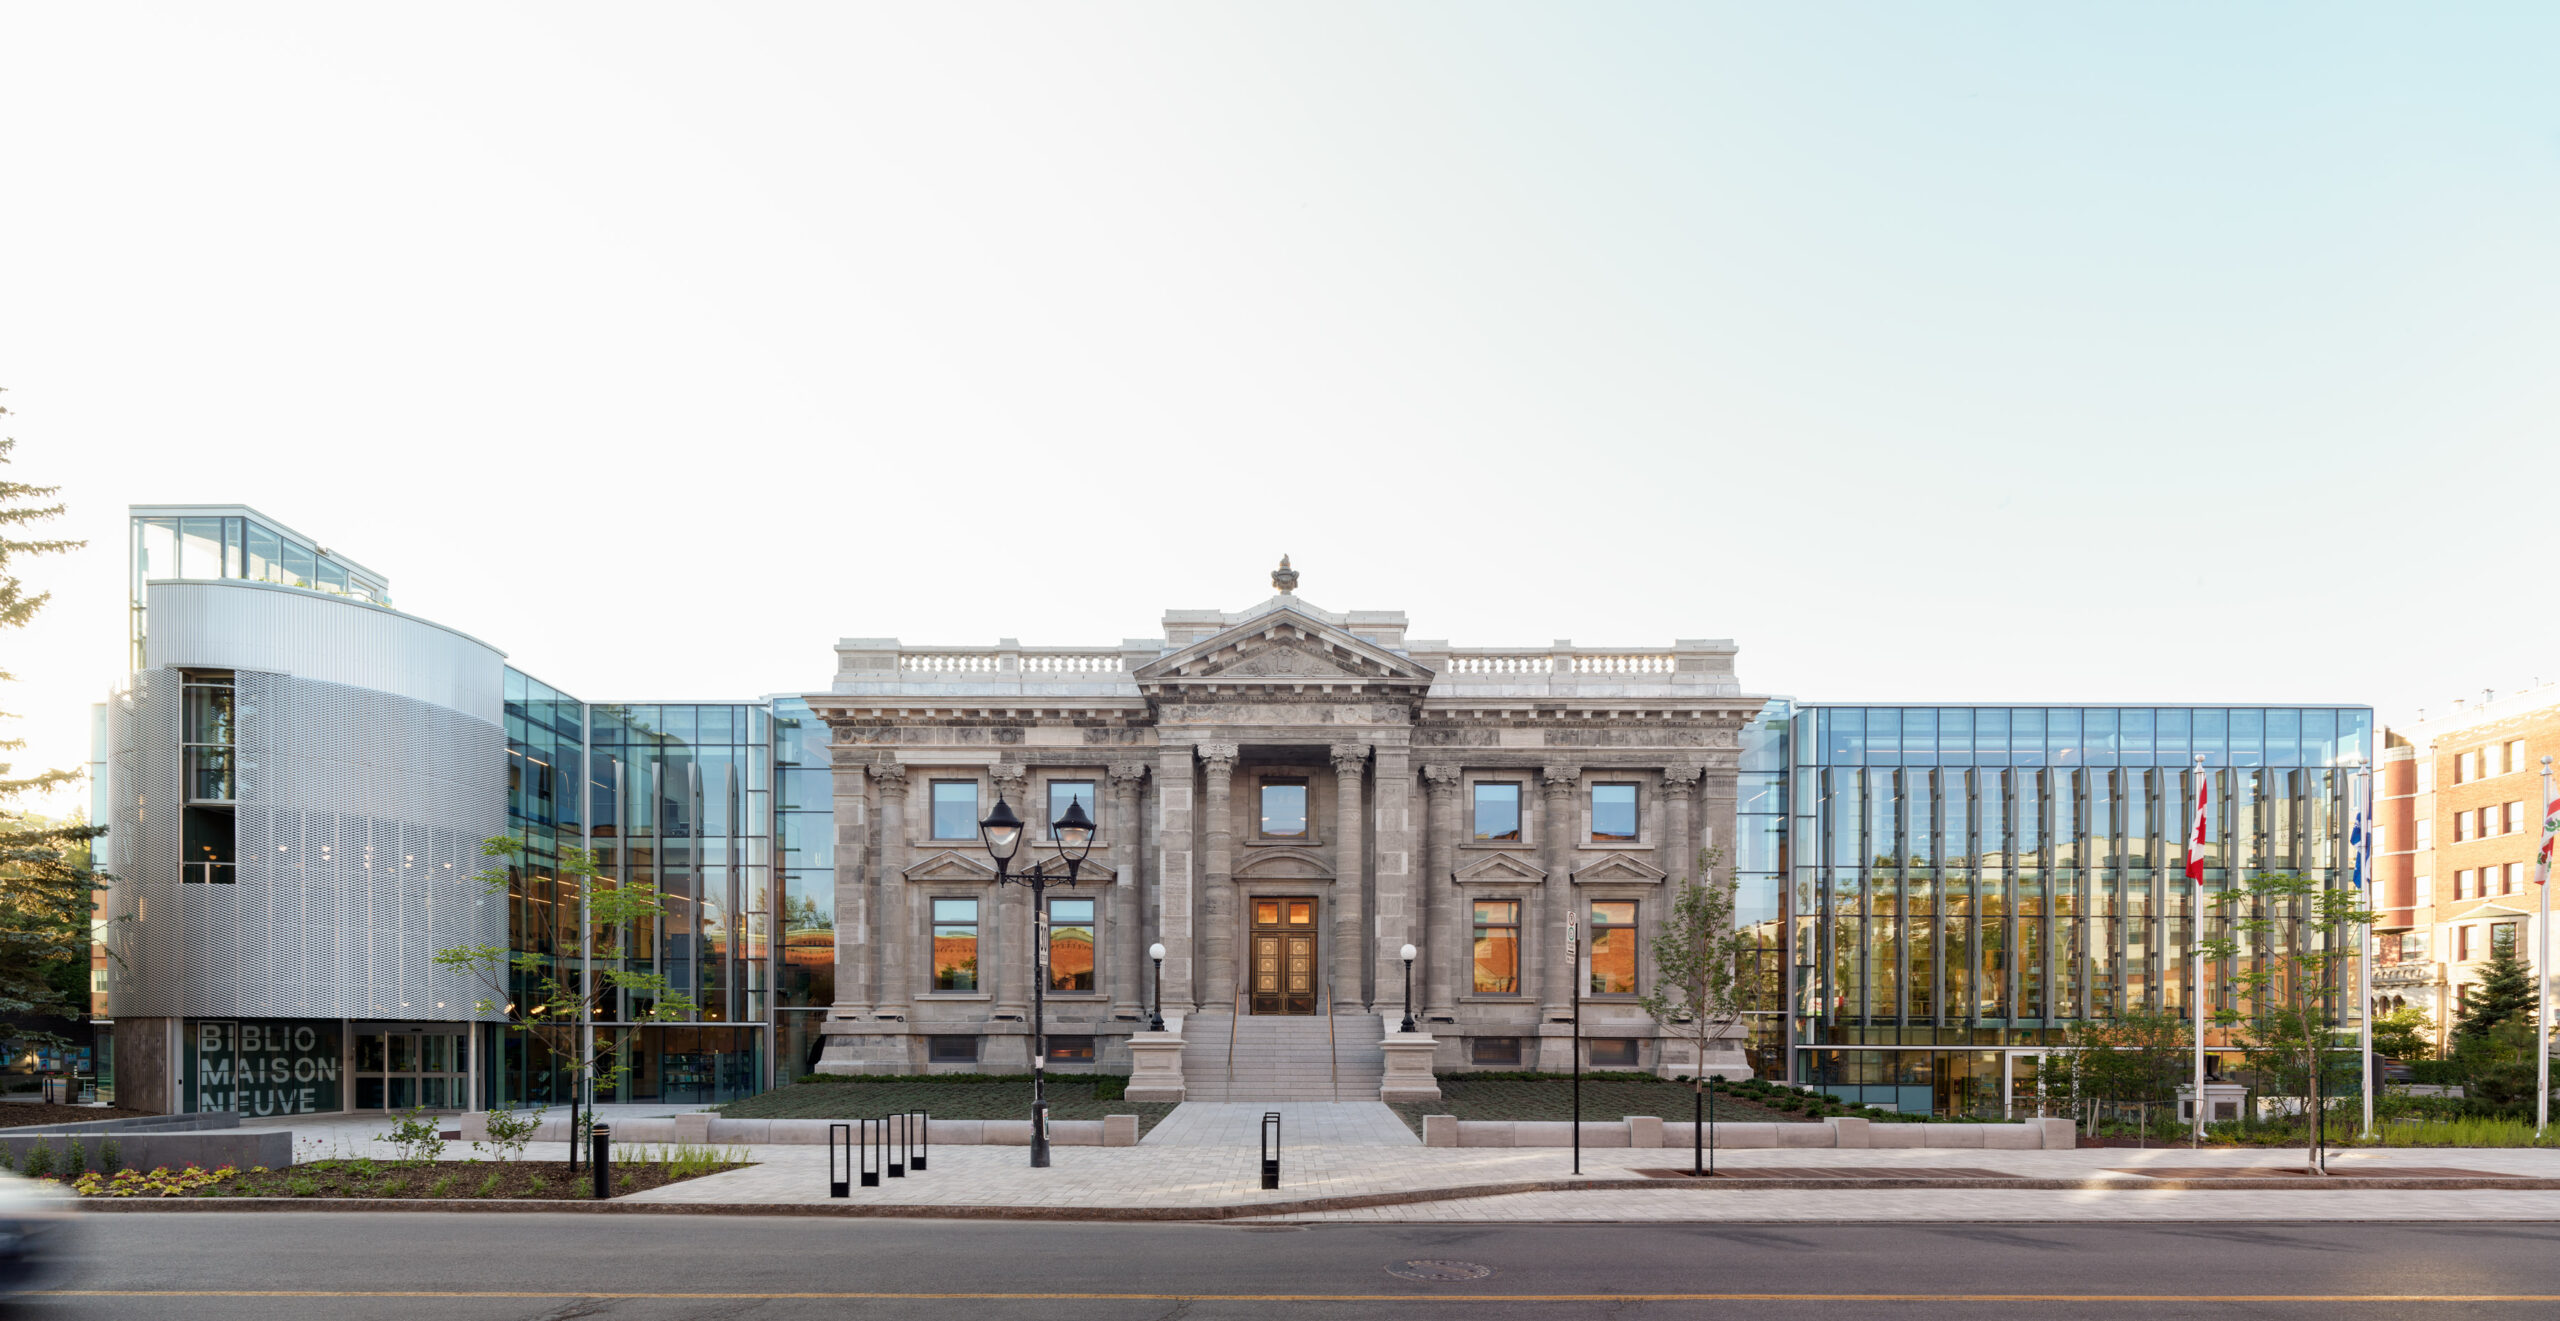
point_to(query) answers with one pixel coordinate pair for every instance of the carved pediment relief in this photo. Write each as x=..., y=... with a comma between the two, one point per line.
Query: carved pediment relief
x=1291, y=864
x=1283, y=646
x=1619, y=869
x=950, y=866
x=1501, y=868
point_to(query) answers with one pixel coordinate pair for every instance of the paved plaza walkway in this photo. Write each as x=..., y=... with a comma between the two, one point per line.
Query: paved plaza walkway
x=1207, y=1156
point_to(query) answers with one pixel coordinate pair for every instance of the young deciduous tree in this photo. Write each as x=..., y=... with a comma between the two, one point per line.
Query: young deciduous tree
x=2132, y=1059
x=2292, y=936
x=2402, y=1033
x=1698, y=988
x=48, y=887
x=558, y=1011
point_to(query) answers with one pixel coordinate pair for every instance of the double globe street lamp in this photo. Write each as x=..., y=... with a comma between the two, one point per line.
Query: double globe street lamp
x=1001, y=832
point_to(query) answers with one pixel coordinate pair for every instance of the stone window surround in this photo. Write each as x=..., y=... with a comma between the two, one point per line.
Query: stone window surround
x=922, y=834
x=1649, y=800
x=1530, y=938
x=1248, y=800
x=1522, y=778
x=1644, y=924
x=1648, y=796
x=990, y=931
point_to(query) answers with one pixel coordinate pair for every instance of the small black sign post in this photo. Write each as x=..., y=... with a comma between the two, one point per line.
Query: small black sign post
x=840, y=1160
x=1270, y=1149
x=1573, y=963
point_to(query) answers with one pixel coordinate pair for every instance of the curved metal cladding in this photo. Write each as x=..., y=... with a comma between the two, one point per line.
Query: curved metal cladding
x=371, y=763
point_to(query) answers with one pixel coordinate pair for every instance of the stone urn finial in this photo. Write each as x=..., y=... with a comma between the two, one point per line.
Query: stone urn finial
x=1284, y=577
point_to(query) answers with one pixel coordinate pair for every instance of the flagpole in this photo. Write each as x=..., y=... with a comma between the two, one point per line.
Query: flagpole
x=2362, y=845
x=2195, y=872
x=2542, y=962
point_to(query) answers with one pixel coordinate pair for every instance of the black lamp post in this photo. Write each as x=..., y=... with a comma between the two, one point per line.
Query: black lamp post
x=1001, y=832
x=1408, y=952
x=1155, y=1021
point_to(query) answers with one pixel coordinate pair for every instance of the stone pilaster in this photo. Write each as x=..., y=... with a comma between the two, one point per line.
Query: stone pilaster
x=1397, y=903
x=1011, y=956
x=1557, y=826
x=1679, y=840
x=1218, y=880
x=1445, y=937
x=898, y=935
x=1177, y=886
x=1350, y=944
x=1128, y=966
x=855, y=948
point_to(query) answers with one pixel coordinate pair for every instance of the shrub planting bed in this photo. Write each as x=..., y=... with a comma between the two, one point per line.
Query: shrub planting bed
x=20, y=1114
x=946, y=1096
x=474, y=1180
x=1609, y=1096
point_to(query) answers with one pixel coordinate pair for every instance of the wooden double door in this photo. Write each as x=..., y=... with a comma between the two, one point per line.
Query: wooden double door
x=1283, y=939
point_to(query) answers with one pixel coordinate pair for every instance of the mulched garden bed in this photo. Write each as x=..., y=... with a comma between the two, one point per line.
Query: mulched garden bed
x=18, y=1114
x=1602, y=1101
x=465, y=1180
x=947, y=1096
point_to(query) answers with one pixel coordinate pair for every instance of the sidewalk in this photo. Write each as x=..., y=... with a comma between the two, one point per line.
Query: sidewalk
x=1206, y=1156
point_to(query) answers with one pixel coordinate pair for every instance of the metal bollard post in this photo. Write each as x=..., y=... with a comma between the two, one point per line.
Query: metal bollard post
x=922, y=1134
x=1270, y=1148
x=840, y=1174
x=893, y=1141
x=601, y=1159
x=870, y=1130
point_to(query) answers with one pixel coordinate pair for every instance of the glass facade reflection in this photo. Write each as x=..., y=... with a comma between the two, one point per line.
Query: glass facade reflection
x=1967, y=881
x=727, y=809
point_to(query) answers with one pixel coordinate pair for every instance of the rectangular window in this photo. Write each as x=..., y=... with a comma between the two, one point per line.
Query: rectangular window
x=1284, y=809
x=951, y=1050
x=1494, y=1050
x=1613, y=814
x=207, y=731
x=2462, y=885
x=266, y=552
x=301, y=567
x=2515, y=754
x=2426, y=887
x=2462, y=944
x=2426, y=774
x=2426, y=833
x=2466, y=767
x=2462, y=822
x=1065, y=793
x=1071, y=1050
x=2413, y=946
x=2515, y=818
x=1071, y=944
x=210, y=836
x=1498, y=813
x=1612, y=1052
x=955, y=809
x=2507, y=877
x=1613, y=948
x=1497, y=947
x=955, y=946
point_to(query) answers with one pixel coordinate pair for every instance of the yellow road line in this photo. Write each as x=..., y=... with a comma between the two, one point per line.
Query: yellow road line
x=1345, y=1297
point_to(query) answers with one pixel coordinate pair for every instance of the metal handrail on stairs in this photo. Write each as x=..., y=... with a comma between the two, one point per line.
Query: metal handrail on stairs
x=1232, y=1019
x=1332, y=1052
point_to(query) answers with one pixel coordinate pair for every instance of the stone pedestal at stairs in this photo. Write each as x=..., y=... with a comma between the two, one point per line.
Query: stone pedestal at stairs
x=1408, y=1076
x=1156, y=1072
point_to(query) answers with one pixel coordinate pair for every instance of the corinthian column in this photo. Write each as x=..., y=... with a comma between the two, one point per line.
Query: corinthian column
x=1556, y=967
x=1679, y=846
x=1444, y=929
x=1013, y=955
x=1349, y=943
x=896, y=938
x=855, y=946
x=1218, y=895
x=1129, y=968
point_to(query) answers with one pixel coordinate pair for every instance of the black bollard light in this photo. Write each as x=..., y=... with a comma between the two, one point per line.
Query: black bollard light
x=1271, y=1149
x=602, y=1158
x=922, y=1139
x=893, y=1140
x=840, y=1160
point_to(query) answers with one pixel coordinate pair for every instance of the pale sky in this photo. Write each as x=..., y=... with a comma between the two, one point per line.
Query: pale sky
x=1930, y=351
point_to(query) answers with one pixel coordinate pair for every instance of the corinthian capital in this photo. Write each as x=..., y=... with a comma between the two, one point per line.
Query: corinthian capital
x=1680, y=779
x=1560, y=779
x=1441, y=781
x=1220, y=758
x=891, y=777
x=1127, y=774
x=1348, y=758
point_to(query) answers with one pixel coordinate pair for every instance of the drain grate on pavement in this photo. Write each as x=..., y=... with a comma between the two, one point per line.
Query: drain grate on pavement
x=1833, y=1172
x=1439, y=1272
x=2297, y=1172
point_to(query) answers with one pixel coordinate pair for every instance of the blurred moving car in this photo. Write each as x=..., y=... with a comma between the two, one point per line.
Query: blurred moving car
x=2388, y=1070
x=38, y=1223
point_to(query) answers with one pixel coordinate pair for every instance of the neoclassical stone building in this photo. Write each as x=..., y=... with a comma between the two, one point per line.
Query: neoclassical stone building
x=1286, y=796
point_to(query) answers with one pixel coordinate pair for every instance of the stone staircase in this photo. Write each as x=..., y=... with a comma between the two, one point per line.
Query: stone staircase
x=1283, y=1058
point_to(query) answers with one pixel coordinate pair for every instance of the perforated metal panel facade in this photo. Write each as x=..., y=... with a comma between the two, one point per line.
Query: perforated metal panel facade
x=359, y=817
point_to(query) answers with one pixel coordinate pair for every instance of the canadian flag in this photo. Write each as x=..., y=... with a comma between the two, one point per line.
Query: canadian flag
x=2195, y=835
x=2550, y=832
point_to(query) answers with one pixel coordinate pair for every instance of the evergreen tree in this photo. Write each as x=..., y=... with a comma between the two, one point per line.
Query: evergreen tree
x=2505, y=992
x=48, y=889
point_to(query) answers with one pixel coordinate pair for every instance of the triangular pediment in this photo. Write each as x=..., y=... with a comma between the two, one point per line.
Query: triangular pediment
x=1494, y=869
x=1292, y=864
x=1283, y=646
x=950, y=866
x=1620, y=869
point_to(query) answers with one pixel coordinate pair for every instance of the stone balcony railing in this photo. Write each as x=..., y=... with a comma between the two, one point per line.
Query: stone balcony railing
x=2403, y=974
x=1689, y=668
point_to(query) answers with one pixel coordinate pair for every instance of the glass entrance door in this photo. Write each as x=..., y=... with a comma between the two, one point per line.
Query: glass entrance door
x=1284, y=956
x=397, y=1068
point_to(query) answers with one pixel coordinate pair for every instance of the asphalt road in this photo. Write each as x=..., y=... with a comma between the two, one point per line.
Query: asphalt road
x=290, y=1266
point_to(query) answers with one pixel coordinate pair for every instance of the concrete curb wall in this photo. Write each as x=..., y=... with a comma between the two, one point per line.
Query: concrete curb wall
x=711, y=1130
x=139, y=1124
x=1840, y=1132
x=144, y=1151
